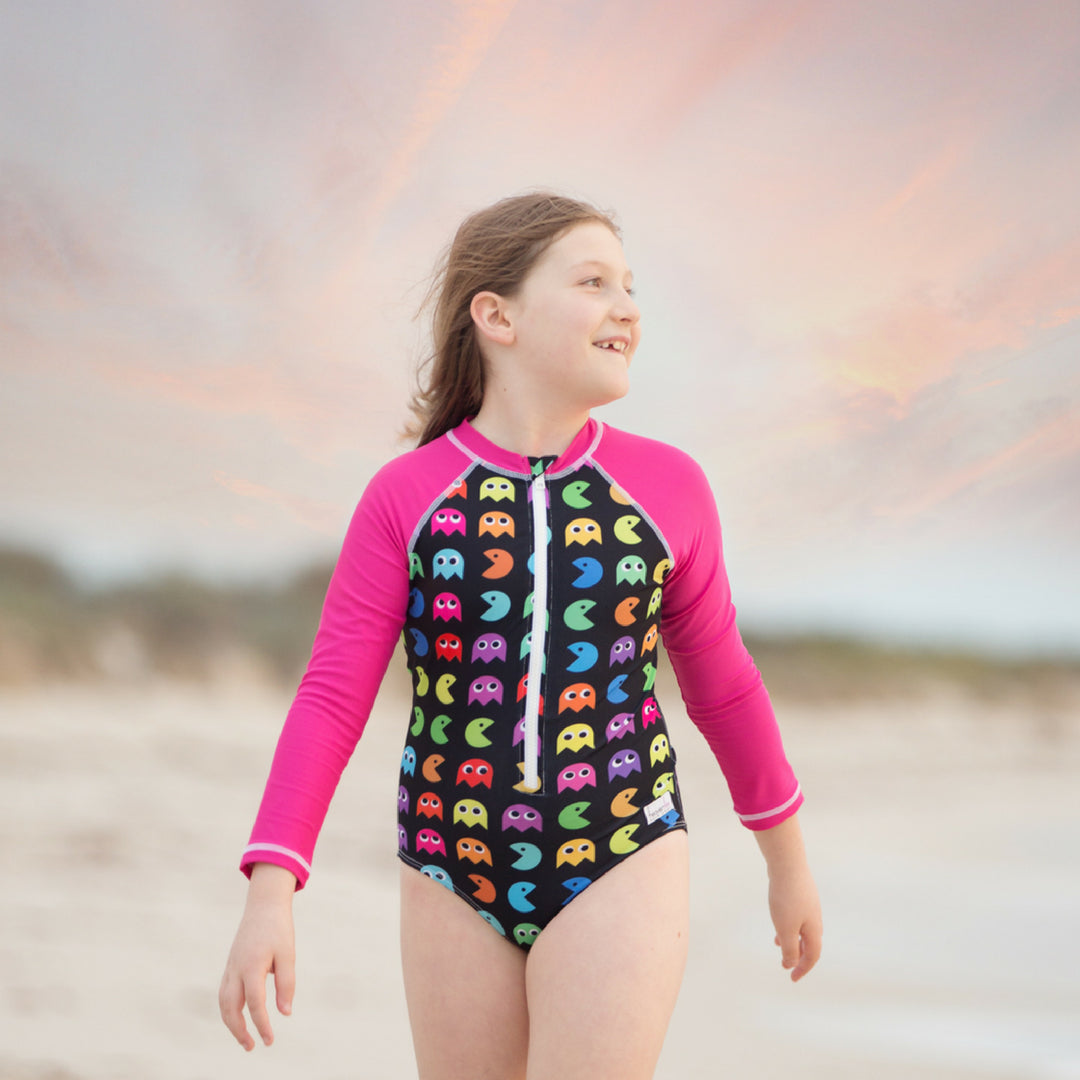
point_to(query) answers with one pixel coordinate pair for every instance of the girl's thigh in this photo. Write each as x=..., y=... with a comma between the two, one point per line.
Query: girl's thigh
x=464, y=986
x=603, y=976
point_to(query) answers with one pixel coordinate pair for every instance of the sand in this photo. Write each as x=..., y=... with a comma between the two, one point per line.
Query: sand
x=943, y=834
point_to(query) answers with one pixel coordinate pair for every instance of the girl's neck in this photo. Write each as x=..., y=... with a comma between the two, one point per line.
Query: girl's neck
x=526, y=428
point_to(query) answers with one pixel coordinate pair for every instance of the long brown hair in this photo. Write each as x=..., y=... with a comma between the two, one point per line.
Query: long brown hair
x=493, y=250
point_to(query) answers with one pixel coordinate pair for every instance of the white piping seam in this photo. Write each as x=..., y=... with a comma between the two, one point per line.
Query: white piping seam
x=640, y=509
x=425, y=517
x=536, y=644
x=280, y=851
x=776, y=810
x=572, y=466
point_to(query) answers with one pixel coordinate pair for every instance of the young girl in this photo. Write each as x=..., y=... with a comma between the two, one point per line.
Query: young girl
x=533, y=556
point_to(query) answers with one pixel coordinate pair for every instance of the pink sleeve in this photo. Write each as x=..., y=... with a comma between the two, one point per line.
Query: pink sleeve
x=720, y=684
x=361, y=621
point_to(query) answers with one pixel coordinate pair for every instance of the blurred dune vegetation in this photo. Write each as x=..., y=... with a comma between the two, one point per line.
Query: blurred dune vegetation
x=176, y=626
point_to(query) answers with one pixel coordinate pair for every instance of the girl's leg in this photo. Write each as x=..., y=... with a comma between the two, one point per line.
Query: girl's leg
x=464, y=985
x=603, y=976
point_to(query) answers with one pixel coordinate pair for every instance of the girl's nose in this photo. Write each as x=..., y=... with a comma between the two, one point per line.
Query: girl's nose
x=626, y=309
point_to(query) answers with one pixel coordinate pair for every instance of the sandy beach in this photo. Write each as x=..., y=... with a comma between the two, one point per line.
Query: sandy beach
x=943, y=833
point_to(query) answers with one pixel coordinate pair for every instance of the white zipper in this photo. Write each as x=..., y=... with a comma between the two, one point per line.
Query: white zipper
x=531, y=779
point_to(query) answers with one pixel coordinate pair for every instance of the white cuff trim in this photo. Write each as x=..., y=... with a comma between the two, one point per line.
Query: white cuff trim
x=775, y=810
x=278, y=849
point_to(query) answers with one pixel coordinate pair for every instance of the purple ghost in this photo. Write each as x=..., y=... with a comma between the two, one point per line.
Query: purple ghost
x=519, y=734
x=623, y=763
x=430, y=840
x=402, y=838
x=446, y=607
x=622, y=651
x=485, y=689
x=620, y=725
x=575, y=777
x=522, y=817
x=650, y=712
x=403, y=799
x=489, y=647
x=448, y=521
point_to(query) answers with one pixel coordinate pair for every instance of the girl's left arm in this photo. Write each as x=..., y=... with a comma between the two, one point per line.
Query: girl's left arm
x=793, y=897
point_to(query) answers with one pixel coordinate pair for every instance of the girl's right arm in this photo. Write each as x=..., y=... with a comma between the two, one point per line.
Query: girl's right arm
x=263, y=945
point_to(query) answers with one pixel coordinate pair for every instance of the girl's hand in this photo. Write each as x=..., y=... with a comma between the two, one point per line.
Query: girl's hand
x=793, y=897
x=264, y=944
x=796, y=914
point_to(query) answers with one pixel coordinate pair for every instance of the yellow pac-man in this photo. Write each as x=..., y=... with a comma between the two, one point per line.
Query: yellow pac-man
x=583, y=531
x=620, y=842
x=574, y=737
x=575, y=852
x=660, y=572
x=442, y=688
x=624, y=529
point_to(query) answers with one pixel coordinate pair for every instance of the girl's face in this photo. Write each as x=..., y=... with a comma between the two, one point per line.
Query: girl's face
x=576, y=326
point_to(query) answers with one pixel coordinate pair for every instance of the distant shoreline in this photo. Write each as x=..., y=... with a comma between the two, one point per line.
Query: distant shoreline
x=176, y=626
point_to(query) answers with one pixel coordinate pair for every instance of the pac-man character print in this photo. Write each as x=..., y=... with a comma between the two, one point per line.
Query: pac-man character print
x=429, y=840
x=485, y=690
x=583, y=531
x=496, y=524
x=448, y=647
x=447, y=606
x=576, y=777
x=475, y=851
x=429, y=805
x=448, y=563
x=475, y=772
x=575, y=737
x=518, y=854
x=576, y=697
x=576, y=851
x=488, y=647
x=448, y=522
x=471, y=812
x=497, y=488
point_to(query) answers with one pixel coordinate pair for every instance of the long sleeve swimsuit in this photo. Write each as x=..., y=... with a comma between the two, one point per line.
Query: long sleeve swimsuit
x=532, y=593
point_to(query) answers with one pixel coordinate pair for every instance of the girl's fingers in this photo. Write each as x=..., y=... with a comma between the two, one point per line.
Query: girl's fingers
x=789, y=948
x=255, y=992
x=811, y=953
x=285, y=984
x=231, y=1006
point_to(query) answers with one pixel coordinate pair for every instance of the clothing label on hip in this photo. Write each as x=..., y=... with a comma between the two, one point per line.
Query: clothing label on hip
x=659, y=807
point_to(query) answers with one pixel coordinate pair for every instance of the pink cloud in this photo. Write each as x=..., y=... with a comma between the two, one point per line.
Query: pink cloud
x=319, y=516
x=1055, y=441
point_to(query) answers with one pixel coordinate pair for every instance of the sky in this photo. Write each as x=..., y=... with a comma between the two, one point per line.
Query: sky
x=853, y=227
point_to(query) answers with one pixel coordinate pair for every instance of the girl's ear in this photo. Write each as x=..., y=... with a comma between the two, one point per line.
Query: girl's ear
x=489, y=313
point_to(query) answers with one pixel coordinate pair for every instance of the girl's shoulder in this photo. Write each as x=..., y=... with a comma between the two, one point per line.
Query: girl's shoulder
x=648, y=459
